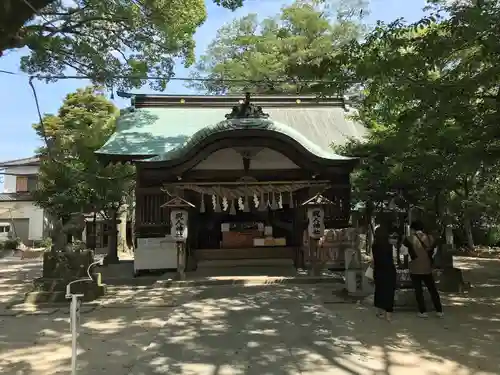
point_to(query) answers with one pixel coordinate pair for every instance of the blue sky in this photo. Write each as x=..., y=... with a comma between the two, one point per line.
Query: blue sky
x=18, y=109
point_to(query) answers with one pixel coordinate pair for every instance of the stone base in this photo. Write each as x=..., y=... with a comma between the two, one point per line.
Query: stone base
x=450, y=280
x=110, y=259
x=54, y=290
x=39, y=297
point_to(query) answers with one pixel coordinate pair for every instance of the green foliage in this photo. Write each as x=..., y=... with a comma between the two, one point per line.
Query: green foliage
x=71, y=178
x=46, y=243
x=429, y=92
x=105, y=39
x=431, y=96
x=290, y=46
x=11, y=244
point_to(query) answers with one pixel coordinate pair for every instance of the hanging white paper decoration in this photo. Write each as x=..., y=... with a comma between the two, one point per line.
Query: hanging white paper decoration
x=256, y=201
x=291, y=200
x=225, y=204
x=217, y=204
x=280, y=201
x=240, y=203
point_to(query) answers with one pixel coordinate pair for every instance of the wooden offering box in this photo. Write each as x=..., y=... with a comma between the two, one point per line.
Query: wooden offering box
x=239, y=235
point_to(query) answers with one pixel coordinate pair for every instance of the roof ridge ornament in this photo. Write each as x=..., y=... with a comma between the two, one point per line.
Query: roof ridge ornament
x=247, y=110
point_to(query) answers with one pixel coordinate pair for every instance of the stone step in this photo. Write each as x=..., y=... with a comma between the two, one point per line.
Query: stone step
x=246, y=263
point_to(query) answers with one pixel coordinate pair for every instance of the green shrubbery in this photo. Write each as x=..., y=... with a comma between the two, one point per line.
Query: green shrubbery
x=46, y=243
x=487, y=236
x=11, y=244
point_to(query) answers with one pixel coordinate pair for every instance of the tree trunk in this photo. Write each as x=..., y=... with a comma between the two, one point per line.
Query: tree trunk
x=466, y=219
x=122, y=230
x=14, y=14
x=370, y=219
x=468, y=233
x=313, y=251
x=93, y=243
x=132, y=228
x=448, y=232
x=112, y=256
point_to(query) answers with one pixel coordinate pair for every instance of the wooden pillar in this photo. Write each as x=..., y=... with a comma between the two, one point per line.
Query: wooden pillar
x=181, y=259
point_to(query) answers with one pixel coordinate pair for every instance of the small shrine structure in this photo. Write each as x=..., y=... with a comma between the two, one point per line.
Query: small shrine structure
x=243, y=164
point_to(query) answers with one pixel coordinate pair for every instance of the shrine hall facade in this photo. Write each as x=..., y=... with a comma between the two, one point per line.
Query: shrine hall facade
x=244, y=163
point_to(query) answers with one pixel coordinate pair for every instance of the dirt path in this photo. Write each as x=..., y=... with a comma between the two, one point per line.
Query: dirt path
x=255, y=330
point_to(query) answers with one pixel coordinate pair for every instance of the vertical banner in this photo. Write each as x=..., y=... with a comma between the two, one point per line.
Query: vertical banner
x=178, y=224
x=316, y=217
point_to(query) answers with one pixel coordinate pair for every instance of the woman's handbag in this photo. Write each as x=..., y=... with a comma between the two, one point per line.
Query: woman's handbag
x=369, y=272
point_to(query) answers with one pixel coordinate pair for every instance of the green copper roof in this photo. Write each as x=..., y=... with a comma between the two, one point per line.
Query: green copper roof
x=167, y=132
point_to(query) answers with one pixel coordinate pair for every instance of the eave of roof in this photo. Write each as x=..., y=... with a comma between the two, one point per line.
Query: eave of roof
x=31, y=161
x=16, y=197
x=227, y=101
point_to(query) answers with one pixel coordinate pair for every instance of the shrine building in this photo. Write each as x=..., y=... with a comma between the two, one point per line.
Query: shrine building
x=245, y=164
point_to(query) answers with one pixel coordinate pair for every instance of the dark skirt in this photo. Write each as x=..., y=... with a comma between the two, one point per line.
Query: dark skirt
x=385, y=287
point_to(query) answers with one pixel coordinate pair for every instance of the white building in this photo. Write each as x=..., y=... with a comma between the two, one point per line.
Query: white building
x=18, y=212
x=20, y=215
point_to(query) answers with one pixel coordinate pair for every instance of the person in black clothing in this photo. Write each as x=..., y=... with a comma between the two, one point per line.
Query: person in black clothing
x=384, y=273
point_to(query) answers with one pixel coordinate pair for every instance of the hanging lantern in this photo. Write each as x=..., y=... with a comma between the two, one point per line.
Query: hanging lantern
x=316, y=215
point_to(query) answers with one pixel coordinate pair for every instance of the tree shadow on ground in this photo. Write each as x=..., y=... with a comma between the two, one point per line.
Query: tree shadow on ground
x=16, y=278
x=255, y=330
x=464, y=342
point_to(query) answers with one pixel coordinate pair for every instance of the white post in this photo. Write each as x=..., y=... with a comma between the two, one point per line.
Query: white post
x=74, y=313
x=72, y=322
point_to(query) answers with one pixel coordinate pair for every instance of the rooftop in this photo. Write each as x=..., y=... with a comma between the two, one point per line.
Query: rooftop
x=31, y=161
x=160, y=125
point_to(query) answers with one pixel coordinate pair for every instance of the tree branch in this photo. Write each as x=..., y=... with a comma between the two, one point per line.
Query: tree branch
x=14, y=14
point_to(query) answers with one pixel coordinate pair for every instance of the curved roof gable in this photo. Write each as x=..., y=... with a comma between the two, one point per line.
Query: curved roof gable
x=242, y=124
x=164, y=129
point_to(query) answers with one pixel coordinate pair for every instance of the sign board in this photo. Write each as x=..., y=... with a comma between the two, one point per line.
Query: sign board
x=316, y=218
x=179, y=224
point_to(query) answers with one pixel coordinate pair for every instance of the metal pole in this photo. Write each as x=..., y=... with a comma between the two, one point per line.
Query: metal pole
x=74, y=314
x=74, y=331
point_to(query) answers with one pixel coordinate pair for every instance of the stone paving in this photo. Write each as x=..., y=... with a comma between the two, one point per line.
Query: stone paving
x=271, y=329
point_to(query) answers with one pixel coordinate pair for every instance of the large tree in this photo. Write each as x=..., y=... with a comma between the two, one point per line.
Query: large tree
x=288, y=47
x=429, y=93
x=432, y=95
x=71, y=178
x=104, y=39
